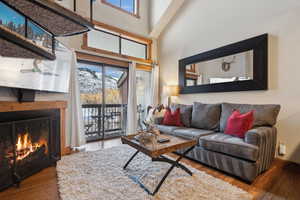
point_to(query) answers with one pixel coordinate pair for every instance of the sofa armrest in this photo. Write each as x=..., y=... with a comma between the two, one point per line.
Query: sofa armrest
x=158, y=120
x=265, y=138
x=257, y=135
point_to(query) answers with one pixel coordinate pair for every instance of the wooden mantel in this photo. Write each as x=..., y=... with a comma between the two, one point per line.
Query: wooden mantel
x=10, y=106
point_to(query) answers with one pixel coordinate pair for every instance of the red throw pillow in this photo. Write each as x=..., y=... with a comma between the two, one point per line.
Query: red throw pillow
x=238, y=124
x=172, y=119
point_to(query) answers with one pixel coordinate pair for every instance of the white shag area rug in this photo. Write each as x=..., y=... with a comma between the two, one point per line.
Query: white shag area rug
x=99, y=175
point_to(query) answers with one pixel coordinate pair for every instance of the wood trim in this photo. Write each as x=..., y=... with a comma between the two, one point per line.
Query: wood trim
x=63, y=148
x=191, y=76
x=137, y=15
x=193, y=68
x=85, y=39
x=149, y=51
x=101, y=59
x=8, y=106
x=66, y=151
x=144, y=67
x=110, y=61
x=101, y=51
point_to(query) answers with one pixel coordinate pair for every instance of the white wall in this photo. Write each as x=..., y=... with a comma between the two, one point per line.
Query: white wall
x=157, y=9
x=207, y=24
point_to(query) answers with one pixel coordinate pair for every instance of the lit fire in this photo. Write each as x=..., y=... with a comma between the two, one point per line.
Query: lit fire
x=25, y=147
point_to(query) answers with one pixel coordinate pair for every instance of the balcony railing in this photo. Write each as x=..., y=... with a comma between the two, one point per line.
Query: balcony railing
x=103, y=122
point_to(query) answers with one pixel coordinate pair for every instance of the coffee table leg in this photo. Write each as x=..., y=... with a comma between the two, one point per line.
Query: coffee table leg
x=163, y=159
x=130, y=159
x=176, y=163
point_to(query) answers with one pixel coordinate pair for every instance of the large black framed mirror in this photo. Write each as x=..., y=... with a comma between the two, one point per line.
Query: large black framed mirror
x=242, y=66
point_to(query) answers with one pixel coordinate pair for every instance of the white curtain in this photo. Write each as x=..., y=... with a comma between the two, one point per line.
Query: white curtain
x=132, y=101
x=154, y=94
x=76, y=129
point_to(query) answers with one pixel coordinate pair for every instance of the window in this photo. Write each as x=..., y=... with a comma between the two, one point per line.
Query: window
x=16, y=22
x=103, y=94
x=105, y=39
x=114, y=91
x=133, y=48
x=11, y=19
x=116, y=43
x=39, y=36
x=129, y=6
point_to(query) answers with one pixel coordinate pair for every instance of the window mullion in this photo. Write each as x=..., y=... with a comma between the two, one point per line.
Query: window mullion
x=120, y=45
x=133, y=6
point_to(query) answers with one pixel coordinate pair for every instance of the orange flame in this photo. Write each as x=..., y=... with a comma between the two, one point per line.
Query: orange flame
x=24, y=146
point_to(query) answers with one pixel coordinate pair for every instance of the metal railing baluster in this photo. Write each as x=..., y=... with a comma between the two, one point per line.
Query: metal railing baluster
x=114, y=120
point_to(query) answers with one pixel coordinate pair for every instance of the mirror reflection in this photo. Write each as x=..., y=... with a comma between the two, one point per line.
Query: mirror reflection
x=237, y=67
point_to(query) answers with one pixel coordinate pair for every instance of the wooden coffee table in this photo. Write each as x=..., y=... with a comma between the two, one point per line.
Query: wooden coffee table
x=156, y=150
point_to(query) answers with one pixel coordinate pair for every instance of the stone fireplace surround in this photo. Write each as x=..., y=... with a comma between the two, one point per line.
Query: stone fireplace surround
x=32, y=138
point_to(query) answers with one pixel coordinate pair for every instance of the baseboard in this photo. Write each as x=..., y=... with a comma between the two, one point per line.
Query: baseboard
x=66, y=151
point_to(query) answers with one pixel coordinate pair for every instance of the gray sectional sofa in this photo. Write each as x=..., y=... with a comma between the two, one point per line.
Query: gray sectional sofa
x=245, y=157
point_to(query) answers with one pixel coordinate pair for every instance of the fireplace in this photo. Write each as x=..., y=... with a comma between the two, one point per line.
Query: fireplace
x=29, y=142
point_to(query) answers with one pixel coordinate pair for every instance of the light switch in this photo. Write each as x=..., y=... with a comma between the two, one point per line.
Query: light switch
x=282, y=149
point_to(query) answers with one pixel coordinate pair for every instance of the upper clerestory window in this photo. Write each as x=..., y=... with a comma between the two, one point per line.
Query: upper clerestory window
x=129, y=6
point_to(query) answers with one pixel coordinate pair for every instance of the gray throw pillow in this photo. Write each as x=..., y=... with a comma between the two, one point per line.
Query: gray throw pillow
x=206, y=116
x=264, y=115
x=185, y=113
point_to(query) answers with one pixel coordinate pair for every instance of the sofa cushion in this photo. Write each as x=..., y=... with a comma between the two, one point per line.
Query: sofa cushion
x=185, y=113
x=264, y=115
x=172, y=118
x=238, y=124
x=206, y=116
x=167, y=129
x=191, y=133
x=229, y=145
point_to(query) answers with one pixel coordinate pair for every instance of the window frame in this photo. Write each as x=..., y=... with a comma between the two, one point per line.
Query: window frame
x=28, y=20
x=136, y=8
x=83, y=56
x=134, y=41
x=122, y=34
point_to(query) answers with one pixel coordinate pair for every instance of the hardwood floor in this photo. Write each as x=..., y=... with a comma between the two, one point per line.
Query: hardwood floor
x=282, y=181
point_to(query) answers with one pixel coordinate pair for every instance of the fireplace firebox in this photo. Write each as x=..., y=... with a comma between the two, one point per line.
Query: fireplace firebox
x=29, y=142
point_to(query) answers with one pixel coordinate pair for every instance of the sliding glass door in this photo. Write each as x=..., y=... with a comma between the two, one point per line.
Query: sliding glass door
x=115, y=101
x=103, y=92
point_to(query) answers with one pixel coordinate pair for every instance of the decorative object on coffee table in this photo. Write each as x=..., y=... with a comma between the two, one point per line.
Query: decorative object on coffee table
x=152, y=113
x=156, y=150
x=145, y=137
x=150, y=134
